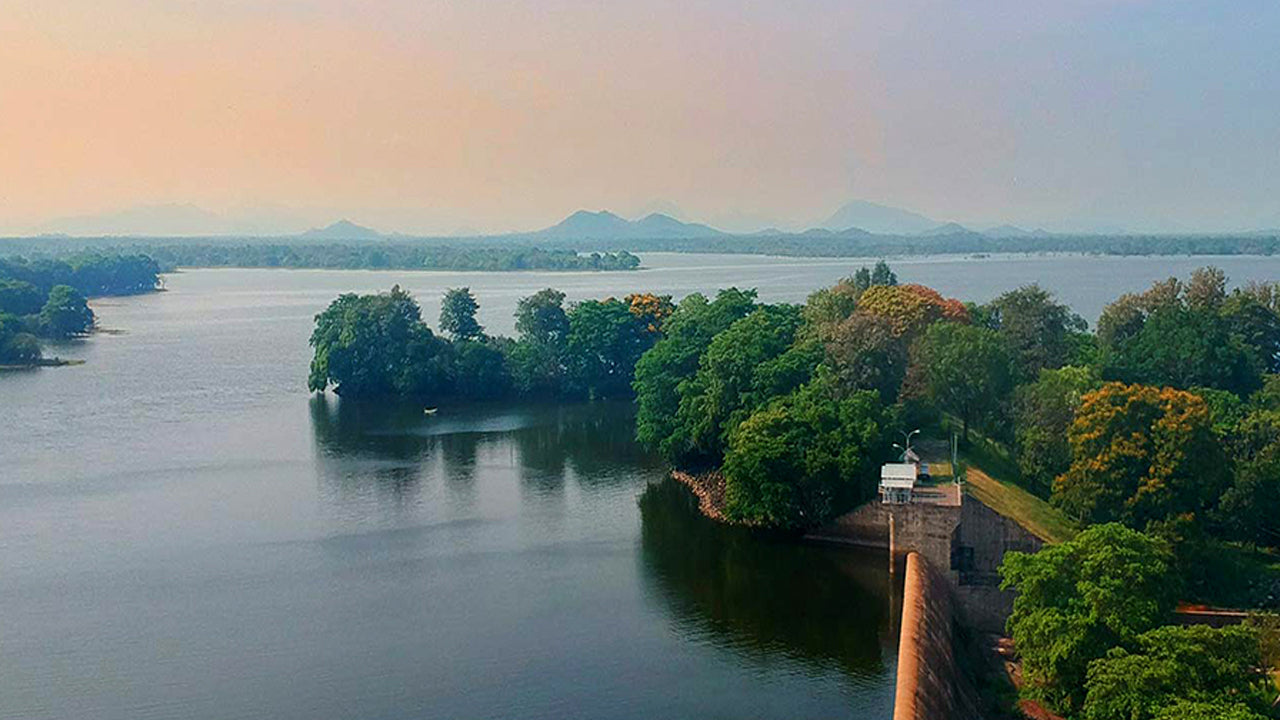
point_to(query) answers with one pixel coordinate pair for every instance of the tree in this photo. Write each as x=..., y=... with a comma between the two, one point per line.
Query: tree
x=1250, y=509
x=803, y=457
x=724, y=390
x=1036, y=330
x=1257, y=324
x=827, y=307
x=1171, y=664
x=864, y=354
x=1043, y=412
x=1192, y=334
x=458, y=315
x=541, y=317
x=964, y=369
x=378, y=346
x=1078, y=600
x=16, y=345
x=605, y=341
x=537, y=360
x=66, y=313
x=674, y=359
x=1183, y=348
x=651, y=310
x=19, y=297
x=882, y=275
x=910, y=308
x=480, y=369
x=1217, y=710
x=1141, y=454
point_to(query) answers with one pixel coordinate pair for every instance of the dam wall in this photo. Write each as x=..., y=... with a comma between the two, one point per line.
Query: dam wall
x=930, y=685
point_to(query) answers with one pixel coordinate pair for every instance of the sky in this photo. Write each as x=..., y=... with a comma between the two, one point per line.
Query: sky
x=442, y=117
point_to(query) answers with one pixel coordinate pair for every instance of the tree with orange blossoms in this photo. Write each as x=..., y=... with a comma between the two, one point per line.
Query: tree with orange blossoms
x=910, y=308
x=652, y=310
x=1141, y=454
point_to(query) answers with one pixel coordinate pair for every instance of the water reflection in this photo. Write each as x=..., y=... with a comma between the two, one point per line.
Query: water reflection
x=760, y=596
x=391, y=449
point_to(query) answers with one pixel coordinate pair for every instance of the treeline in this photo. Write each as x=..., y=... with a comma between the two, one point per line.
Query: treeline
x=372, y=346
x=382, y=256
x=963, y=243
x=46, y=298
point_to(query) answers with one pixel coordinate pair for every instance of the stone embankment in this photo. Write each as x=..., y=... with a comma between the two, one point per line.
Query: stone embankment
x=930, y=685
x=709, y=488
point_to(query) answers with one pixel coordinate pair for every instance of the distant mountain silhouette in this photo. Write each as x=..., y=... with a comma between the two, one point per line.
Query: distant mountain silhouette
x=879, y=219
x=947, y=229
x=1013, y=231
x=606, y=225
x=342, y=230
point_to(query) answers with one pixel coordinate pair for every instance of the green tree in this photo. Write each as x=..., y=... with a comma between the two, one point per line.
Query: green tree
x=827, y=307
x=965, y=370
x=674, y=359
x=803, y=457
x=66, y=313
x=605, y=341
x=882, y=275
x=537, y=360
x=1256, y=324
x=1250, y=509
x=19, y=297
x=541, y=317
x=480, y=369
x=1036, y=330
x=378, y=346
x=1184, y=348
x=865, y=354
x=1216, y=710
x=17, y=346
x=1077, y=600
x=1043, y=412
x=458, y=315
x=725, y=389
x=1171, y=664
x=1141, y=454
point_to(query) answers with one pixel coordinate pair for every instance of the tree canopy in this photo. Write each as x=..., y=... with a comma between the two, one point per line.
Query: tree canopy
x=1141, y=454
x=458, y=315
x=1077, y=600
x=796, y=461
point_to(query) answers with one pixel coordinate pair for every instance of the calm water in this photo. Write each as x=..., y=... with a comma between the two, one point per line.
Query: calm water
x=185, y=533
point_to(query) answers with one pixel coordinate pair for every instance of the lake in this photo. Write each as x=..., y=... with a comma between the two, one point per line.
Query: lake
x=185, y=532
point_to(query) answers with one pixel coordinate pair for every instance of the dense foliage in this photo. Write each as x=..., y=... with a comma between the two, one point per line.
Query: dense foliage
x=377, y=346
x=47, y=298
x=1079, y=599
x=805, y=455
x=1170, y=666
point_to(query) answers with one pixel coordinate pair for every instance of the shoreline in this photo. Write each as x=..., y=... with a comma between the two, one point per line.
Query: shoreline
x=709, y=488
x=42, y=363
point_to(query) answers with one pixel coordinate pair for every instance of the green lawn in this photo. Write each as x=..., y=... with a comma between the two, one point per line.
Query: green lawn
x=1029, y=511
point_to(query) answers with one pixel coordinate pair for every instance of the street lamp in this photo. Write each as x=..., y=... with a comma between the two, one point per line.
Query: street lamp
x=906, y=438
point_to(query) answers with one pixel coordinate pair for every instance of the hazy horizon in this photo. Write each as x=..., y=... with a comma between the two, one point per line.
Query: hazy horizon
x=450, y=118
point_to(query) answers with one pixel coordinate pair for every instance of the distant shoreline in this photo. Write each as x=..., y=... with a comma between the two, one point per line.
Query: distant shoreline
x=41, y=363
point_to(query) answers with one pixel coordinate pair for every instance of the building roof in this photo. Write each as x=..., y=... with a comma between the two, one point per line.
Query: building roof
x=899, y=471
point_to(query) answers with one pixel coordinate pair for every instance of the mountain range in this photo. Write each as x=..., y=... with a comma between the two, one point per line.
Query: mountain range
x=604, y=225
x=856, y=219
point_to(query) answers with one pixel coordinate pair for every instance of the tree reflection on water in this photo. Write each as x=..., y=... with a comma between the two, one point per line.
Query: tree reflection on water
x=761, y=595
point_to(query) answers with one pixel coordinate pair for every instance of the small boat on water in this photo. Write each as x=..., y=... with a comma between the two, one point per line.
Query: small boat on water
x=430, y=411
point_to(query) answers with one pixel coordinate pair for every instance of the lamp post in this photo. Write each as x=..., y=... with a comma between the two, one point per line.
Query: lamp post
x=906, y=439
